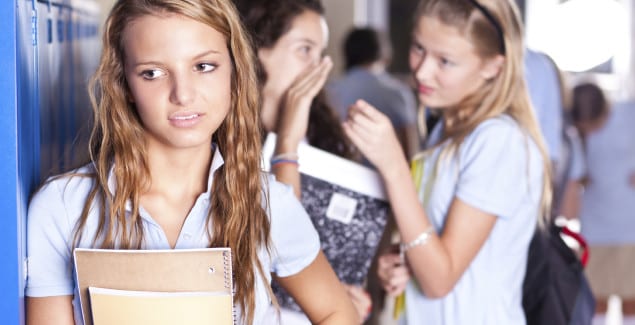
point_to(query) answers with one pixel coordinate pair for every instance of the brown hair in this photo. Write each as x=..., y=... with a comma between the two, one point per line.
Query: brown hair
x=236, y=218
x=267, y=21
x=506, y=93
x=588, y=103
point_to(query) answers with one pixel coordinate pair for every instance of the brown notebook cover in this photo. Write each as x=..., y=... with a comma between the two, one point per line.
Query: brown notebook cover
x=186, y=270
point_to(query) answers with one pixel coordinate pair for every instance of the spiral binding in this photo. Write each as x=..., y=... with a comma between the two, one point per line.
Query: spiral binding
x=227, y=269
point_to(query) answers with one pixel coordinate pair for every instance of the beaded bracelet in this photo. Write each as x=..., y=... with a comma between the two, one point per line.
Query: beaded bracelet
x=283, y=161
x=422, y=239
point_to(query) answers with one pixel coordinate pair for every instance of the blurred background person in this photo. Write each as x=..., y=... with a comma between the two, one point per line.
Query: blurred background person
x=367, y=53
x=543, y=85
x=607, y=212
x=569, y=172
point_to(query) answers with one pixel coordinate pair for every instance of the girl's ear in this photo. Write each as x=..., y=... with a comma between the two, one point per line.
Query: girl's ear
x=492, y=67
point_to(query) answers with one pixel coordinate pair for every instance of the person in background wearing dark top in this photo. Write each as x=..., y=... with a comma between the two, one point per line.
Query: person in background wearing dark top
x=367, y=54
x=608, y=201
x=289, y=38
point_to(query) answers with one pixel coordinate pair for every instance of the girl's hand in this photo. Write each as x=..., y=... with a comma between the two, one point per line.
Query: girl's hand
x=295, y=105
x=393, y=274
x=373, y=134
x=361, y=300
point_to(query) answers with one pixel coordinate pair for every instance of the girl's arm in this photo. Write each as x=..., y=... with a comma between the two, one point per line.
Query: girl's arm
x=293, y=120
x=570, y=205
x=361, y=301
x=320, y=294
x=439, y=263
x=50, y=310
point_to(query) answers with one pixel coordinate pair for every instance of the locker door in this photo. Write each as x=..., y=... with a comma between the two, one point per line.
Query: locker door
x=19, y=132
x=38, y=99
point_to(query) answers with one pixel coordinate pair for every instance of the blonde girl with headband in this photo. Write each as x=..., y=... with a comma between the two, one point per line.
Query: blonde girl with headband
x=468, y=207
x=175, y=164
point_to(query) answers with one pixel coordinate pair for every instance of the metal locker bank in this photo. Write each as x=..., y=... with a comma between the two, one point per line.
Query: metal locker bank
x=48, y=50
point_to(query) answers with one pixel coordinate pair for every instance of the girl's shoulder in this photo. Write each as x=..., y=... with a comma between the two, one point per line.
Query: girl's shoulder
x=75, y=184
x=276, y=193
x=498, y=134
x=498, y=129
x=502, y=124
x=56, y=206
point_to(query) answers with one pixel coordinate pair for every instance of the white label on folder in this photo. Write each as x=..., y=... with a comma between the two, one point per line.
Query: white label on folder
x=341, y=208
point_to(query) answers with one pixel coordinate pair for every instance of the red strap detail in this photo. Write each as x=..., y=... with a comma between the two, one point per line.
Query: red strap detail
x=585, y=247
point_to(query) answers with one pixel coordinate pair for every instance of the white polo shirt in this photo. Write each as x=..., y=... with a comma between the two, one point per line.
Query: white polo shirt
x=56, y=207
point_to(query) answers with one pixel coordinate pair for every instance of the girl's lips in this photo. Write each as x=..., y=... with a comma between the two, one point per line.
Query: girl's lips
x=185, y=120
x=425, y=90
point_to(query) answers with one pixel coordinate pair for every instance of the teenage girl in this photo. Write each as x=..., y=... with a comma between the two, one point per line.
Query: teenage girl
x=289, y=38
x=468, y=210
x=175, y=164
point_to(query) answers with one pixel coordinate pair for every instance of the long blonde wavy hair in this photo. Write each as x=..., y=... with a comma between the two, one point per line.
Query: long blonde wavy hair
x=507, y=92
x=236, y=218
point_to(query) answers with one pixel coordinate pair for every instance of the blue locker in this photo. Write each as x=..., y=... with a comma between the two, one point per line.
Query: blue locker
x=49, y=49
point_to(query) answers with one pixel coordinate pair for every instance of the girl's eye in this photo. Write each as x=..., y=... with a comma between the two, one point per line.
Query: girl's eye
x=206, y=67
x=152, y=74
x=417, y=48
x=446, y=62
x=305, y=50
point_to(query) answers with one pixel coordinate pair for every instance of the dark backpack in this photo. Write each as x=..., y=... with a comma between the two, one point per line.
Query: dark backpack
x=555, y=289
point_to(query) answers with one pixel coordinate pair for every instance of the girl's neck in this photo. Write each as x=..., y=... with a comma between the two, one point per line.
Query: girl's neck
x=454, y=116
x=179, y=172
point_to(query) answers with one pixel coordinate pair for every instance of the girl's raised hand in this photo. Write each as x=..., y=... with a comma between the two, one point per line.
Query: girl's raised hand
x=374, y=136
x=295, y=105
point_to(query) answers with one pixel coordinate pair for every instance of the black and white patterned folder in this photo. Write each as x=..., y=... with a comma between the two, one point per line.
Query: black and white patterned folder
x=348, y=207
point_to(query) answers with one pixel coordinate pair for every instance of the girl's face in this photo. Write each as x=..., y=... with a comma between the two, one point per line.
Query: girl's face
x=301, y=46
x=179, y=74
x=445, y=64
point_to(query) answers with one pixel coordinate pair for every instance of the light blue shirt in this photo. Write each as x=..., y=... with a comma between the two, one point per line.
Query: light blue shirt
x=544, y=92
x=55, y=209
x=607, y=214
x=498, y=170
x=387, y=94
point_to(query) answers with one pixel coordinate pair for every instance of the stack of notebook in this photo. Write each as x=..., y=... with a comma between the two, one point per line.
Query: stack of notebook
x=158, y=287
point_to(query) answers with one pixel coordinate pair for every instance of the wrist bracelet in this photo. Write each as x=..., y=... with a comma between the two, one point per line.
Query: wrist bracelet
x=285, y=155
x=422, y=239
x=283, y=161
